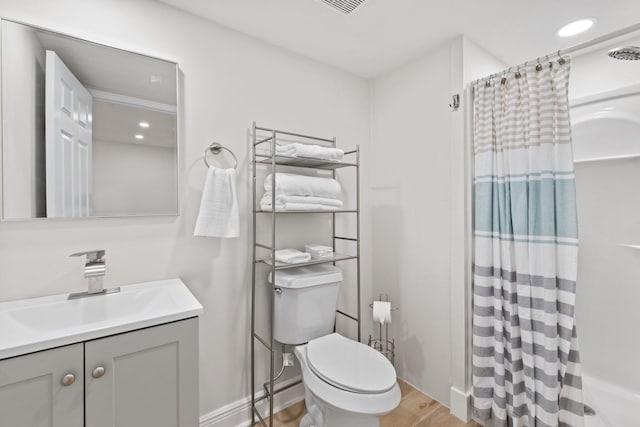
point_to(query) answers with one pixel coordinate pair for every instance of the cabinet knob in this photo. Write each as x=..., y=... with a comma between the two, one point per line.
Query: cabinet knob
x=68, y=379
x=98, y=372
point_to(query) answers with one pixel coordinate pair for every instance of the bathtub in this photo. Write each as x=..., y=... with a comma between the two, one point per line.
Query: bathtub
x=614, y=406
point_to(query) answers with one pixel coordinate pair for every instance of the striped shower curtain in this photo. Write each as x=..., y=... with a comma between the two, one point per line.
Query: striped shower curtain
x=526, y=370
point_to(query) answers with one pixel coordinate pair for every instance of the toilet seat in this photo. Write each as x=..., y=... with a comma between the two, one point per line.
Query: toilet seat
x=344, y=401
x=350, y=365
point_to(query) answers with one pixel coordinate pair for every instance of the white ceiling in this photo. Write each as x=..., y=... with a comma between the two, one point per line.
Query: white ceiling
x=383, y=34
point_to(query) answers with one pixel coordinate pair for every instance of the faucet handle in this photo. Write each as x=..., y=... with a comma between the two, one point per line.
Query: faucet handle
x=92, y=256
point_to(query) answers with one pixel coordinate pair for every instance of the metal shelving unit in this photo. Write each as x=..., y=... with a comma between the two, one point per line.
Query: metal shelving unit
x=269, y=159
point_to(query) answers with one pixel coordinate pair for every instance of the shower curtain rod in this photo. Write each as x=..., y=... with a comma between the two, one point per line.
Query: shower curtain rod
x=571, y=49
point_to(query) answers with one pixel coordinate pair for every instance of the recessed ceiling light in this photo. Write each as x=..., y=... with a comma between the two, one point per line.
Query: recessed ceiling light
x=143, y=124
x=139, y=136
x=576, y=27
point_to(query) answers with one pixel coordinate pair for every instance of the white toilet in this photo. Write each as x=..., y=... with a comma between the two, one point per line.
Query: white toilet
x=346, y=383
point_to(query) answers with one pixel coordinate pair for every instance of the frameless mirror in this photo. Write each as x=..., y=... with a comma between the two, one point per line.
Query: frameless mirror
x=87, y=130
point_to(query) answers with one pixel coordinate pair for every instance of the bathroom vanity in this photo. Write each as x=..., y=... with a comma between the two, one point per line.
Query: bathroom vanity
x=125, y=359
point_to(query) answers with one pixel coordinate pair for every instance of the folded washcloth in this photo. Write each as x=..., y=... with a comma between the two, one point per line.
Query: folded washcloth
x=219, y=215
x=319, y=251
x=302, y=185
x=283, y=200
x=265, y=205
x=310, y=151
x=292, y=256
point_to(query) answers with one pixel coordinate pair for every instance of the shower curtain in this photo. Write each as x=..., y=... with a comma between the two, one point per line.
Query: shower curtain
x=526, y=370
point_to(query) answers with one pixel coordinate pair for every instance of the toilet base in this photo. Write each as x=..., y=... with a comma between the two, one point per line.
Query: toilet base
x=319, y=414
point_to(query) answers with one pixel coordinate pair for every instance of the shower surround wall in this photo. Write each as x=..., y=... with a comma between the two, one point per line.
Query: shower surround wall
x=608, y=203
x=228, y=80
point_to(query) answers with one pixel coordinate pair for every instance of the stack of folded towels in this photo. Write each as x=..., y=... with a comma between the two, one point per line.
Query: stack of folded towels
x=292, y=256
x=319, y=251
x=309, y=151
x=301, y=193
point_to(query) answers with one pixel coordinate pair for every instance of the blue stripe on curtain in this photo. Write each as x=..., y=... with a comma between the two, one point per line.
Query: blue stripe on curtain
x=547, y=204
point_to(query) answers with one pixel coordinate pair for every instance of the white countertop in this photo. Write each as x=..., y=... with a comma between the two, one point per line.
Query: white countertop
x=40, y=323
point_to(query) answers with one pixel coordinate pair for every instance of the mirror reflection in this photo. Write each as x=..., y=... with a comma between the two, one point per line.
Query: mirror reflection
x=87, y=130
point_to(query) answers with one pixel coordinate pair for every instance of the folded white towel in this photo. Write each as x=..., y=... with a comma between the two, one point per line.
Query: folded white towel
x=310, y=151
x=323, y=256
x=317, y=248
x=292, y=256
x=219, y=215
x=319, y=251
x=283, y=200
x=265, y=205
x=302, y=185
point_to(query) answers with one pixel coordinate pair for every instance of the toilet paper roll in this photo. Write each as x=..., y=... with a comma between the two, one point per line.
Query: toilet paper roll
x=382, y=312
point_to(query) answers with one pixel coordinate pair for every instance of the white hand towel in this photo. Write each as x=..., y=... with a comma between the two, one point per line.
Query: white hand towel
x=292, y=256
x=219, y=215
x=310, y=151
x=302, y=185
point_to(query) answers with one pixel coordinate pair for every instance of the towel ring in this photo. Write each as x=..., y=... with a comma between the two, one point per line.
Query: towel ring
x=216, y=148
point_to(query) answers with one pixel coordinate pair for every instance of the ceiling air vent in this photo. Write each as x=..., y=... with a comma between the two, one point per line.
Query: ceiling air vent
x=344, y=6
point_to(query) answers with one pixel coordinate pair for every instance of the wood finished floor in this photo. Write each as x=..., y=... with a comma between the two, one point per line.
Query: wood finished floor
x=415, y=410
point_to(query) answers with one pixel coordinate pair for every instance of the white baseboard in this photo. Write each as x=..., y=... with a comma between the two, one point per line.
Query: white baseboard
x=460, y=404
x=238, y=413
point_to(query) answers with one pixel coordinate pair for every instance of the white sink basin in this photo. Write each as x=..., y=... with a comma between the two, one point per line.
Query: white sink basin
x=40, y=323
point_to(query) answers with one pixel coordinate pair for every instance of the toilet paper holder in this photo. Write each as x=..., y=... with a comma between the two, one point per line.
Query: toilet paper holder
x=383, y=343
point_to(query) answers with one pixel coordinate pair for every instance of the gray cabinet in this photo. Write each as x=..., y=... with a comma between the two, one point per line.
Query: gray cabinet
x=144, y=378
x=43, y=389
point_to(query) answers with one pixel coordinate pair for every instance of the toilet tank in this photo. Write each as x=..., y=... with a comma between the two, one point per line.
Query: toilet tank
x=306, y=301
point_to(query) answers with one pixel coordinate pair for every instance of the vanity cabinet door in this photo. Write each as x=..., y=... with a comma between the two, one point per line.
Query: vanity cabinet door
x=145, y=378
x=43, y=389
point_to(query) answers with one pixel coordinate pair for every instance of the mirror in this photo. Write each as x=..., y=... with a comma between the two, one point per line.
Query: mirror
x=87, y=130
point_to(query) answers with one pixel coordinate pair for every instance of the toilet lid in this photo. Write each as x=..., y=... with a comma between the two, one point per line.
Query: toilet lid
x=350, y=365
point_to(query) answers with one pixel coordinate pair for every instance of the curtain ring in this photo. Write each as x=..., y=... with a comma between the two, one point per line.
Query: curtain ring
x=488, y=82
x=518, y=75
x=538, y=65
x=561, y=60
x=505, y=76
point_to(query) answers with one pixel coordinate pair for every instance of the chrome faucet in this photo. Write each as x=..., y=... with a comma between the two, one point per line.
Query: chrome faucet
x=94, y=270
